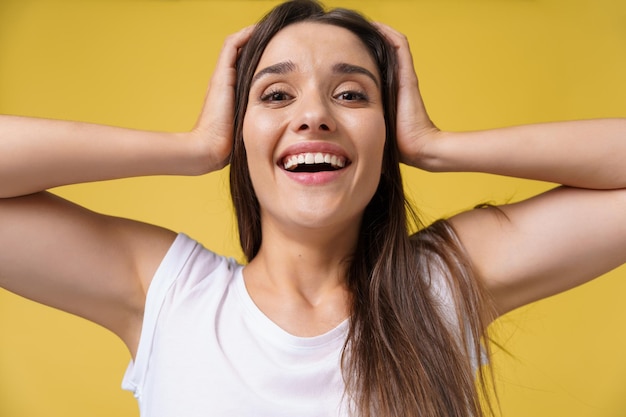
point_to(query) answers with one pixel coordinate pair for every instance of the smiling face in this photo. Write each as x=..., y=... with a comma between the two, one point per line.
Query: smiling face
x=314, y=129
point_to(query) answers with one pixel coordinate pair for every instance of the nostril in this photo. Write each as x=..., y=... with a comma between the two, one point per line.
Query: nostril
x=324, y=127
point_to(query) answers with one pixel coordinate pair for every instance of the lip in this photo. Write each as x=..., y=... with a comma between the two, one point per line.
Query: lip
x=313, y=178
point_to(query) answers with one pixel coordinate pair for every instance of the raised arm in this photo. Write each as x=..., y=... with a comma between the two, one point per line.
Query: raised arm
x=549, y=243
x=583, y=153
x=38, y=154
x=65, y=256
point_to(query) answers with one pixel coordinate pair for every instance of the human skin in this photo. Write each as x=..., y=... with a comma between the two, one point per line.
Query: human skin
x=100, y=267
x=313, y=100
x=532, y=249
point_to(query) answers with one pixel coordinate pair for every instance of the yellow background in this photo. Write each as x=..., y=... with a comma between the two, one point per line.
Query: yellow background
x=482, y=63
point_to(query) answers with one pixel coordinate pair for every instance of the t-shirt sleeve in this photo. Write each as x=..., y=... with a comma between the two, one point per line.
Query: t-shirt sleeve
x=168, y=271
x=442, y=292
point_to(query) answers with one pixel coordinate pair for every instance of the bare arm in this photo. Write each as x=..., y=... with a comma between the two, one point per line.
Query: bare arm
x=38, y=154
x=555, y=241
x=544, y=245
x=63, y=255
x=583, y=153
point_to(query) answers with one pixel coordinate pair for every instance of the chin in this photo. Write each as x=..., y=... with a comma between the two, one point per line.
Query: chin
x=326, y=219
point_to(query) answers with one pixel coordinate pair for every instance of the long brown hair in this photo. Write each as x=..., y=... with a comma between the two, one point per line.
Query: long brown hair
x=405, y=355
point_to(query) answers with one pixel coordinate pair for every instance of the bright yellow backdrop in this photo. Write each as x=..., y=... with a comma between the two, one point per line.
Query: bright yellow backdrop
x=482, y=63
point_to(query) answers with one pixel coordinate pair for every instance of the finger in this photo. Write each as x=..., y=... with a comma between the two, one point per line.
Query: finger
x=403, y=52
x=222, y=83
x=231, y=47
x=387, y=30
x=240, y=38
x=398, y=40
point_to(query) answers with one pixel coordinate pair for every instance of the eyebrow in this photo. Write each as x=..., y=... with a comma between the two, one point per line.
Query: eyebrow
x=345, y=68
x=340, y=68
x=280, y=68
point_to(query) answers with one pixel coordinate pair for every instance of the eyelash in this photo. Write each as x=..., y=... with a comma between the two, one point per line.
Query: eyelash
x=271, y=96
x=358, y=95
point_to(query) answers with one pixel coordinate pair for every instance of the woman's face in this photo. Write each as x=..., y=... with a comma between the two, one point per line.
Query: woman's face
x=314, y=128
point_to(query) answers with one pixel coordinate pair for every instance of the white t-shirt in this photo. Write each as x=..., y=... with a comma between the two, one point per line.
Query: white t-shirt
x=207, y=350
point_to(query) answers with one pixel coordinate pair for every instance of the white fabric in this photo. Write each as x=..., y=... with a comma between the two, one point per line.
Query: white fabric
x=207, y=350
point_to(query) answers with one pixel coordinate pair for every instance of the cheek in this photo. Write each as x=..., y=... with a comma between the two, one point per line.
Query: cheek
x=259, y=132
x=372, y=136
x=247, y=131
x=258, y=139
x=370, y=140
x=252, y=139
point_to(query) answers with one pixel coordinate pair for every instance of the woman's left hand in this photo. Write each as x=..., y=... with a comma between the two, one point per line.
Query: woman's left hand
x=415, y=130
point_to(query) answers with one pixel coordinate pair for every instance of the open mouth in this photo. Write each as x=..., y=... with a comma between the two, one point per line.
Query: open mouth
x=314, y=162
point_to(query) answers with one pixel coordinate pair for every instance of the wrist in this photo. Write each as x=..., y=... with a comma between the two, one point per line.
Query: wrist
x=202, y=154
x=429, y=152
x=191, y=155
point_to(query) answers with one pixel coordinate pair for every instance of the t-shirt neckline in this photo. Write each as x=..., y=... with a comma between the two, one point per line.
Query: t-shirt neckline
x=268, y=329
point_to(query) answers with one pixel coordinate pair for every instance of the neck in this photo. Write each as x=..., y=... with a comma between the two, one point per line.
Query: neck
x=298, y=277
x=305, y=259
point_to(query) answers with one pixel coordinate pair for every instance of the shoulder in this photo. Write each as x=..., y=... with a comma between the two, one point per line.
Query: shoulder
x=450, y=274
x=188, y=264
x=188, y=277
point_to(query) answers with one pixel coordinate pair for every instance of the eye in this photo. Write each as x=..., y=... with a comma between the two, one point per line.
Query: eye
x=351, y=95
x=275, y=96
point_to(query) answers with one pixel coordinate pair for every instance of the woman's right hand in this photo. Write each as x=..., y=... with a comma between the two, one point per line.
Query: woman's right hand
x=95, y=266
x=214, y=128
x=38, y=154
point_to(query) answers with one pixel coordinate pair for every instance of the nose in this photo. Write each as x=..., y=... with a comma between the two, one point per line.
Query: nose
x=313, y=115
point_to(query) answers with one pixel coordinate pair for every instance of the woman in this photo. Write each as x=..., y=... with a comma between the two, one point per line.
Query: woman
x=326, y=238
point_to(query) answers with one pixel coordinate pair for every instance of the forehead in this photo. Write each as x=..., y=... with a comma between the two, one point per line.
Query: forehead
x=310, y=44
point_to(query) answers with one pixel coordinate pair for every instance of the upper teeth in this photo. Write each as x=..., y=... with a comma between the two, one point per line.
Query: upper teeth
x=310, y=158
